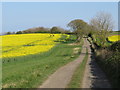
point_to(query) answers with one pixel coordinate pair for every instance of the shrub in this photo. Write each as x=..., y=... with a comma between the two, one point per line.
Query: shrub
x=109, y=60
x=115, y=46
x=8, y=33
x=19, y=32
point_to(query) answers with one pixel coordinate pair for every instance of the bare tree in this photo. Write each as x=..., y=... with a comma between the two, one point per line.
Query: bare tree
x=102, y=23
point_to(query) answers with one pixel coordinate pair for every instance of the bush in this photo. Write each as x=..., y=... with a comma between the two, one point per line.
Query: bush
x=109, y=60
x=57, y=30
x=115, y=46
x=19, y=32
x=8, y=33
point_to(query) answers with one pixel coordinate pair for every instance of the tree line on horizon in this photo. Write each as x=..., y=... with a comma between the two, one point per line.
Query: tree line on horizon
x=54, y=30
x=100, y=25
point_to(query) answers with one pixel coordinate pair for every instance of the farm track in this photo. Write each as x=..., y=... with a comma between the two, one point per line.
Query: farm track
x=63, y=75
x=94, y=77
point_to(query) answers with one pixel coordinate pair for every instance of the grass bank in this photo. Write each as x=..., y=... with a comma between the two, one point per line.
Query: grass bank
x=30, y=71
x=77, y=77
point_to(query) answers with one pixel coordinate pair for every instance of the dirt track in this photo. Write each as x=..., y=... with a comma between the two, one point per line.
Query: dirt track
x=93, y=76
x=62, y=76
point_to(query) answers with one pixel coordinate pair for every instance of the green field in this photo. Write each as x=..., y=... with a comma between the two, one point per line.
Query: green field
x=115, y=33
x=30, y=71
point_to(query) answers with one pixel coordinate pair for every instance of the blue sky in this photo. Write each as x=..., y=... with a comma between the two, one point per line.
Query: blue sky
x=23, y=15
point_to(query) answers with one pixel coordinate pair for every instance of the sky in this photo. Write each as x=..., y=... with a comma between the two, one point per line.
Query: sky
x=24, y=15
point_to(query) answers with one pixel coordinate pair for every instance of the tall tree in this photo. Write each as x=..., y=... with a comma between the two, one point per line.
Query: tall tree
x=78, y=26
x=102, y=23
x=56, y=30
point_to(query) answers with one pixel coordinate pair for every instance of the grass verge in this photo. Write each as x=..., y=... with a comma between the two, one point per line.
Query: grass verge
x=78, y=74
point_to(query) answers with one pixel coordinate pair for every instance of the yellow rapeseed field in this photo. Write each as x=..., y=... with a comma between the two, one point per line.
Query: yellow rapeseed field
x=26, y=44
x=114, y=38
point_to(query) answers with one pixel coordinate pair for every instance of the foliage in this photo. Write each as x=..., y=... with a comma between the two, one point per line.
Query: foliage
x=67, y=32
x=8, y=33
x=78, y=26
x=37, y=30
x=109, y=60
x=102, y=23
x=19, y=32
x=57, y=30
x=115, y=46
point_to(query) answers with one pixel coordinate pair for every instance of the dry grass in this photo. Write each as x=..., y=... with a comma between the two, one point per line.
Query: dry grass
x=76, y=50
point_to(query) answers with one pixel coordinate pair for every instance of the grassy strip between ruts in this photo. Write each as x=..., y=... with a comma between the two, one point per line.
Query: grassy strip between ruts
x=78, y=74
x=31, y=71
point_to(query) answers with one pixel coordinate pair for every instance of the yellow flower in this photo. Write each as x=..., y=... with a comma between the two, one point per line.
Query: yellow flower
x=26, y=44
x=114, y=38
